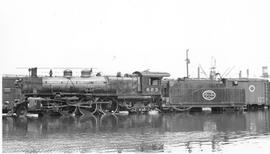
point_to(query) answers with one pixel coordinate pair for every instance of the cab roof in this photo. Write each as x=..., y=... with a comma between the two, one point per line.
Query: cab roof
x=152, y=74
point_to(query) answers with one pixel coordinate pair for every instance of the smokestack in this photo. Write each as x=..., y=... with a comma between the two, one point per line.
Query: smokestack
x=33, y=72
x=247, y=73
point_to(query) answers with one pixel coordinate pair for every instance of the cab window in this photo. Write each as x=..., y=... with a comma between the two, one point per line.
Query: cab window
x=154, y=81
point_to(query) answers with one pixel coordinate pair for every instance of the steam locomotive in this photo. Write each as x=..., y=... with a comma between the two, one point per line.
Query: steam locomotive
x=67, y=94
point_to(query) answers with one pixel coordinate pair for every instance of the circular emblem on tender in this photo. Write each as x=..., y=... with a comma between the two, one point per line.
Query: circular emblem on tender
x=209, y=95
x=251, y=88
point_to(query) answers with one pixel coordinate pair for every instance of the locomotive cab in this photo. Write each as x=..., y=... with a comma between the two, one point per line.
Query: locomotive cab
x=150, y=82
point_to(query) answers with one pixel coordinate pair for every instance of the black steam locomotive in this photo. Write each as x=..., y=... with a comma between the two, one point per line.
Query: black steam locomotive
x=68, y=94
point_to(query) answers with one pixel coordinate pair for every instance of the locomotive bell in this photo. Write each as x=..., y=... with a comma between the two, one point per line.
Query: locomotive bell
x=67, y=73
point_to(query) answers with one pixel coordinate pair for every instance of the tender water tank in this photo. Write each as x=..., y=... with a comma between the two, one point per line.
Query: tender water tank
x=67, y=73
x=86, y=73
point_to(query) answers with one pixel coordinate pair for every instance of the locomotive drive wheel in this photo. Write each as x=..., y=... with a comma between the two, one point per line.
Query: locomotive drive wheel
x=88, y=107
x=86, y=110
x=21, y=111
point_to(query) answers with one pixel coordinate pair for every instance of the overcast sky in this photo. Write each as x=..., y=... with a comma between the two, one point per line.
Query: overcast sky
x=130, y=35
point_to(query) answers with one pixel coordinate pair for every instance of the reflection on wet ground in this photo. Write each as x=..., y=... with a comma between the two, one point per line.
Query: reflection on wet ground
x=186, y=132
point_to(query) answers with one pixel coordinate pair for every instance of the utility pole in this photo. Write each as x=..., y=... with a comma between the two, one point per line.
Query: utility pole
x=187, y=61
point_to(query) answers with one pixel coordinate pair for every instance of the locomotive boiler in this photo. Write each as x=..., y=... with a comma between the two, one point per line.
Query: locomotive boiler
x=68, y=94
